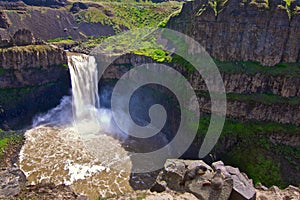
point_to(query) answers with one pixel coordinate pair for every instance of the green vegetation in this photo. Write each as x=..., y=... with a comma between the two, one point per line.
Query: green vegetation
x=241, y=67
x=61, y=40
x=163, y=23
x=8, y=141
x=237, y=67
x=217, y=5
x=156, y=54
x=91, y=42
x=2, y=71
x=28, y=48
x=176, y=59
x=267, y=99
x=250, y=128
x=261, y=167
x=262, y=160
x=129, y=16
x=286, y=69
x=65, y=65
x=141, y=196
x=289, y=8
x=123, y=16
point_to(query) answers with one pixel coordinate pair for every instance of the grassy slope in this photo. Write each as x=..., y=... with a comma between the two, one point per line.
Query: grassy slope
x=128, y=14
x=122, y=16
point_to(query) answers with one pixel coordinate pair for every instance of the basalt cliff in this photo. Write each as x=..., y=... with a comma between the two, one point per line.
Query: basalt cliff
x=33, y=78
x=244, y=30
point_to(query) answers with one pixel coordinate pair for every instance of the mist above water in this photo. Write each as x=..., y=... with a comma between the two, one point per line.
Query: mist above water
x=82, y=109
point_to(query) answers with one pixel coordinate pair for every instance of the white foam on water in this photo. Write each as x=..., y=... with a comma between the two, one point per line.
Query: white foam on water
x=58, y=155
x=81, y=171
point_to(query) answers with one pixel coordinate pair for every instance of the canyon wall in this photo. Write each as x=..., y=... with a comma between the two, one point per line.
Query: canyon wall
x=254, y=96
x=262, y=117
x=33, y=79
x=243, y=30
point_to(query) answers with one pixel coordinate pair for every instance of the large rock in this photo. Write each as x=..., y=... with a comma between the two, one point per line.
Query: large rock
x=12, y=180
x=78, y=6
x=175, y=169
x=203, y=192
x=23, y=37
x=243, y=188
x=174, y=177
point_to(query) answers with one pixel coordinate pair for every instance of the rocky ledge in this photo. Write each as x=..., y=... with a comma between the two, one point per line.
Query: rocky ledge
x=178, y=180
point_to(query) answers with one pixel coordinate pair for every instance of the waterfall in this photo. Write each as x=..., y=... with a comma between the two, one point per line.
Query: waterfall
x=84, y=79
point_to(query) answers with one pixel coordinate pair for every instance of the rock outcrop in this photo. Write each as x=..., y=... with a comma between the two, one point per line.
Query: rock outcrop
x=242, y=187
x=235, y=185
x=78, y=6
x=23, y=37
x=291, y=192
x=263, y=31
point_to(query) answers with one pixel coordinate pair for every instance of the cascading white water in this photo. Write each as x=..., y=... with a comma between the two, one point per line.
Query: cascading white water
x=84, y=78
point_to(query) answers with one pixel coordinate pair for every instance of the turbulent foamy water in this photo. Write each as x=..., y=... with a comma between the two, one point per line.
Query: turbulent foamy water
x=58, y=155
x=78, y=144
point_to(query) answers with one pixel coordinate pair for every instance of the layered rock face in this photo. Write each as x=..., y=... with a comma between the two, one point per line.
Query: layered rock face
x=33, y=78
x=263, y=31
x=281, y=88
